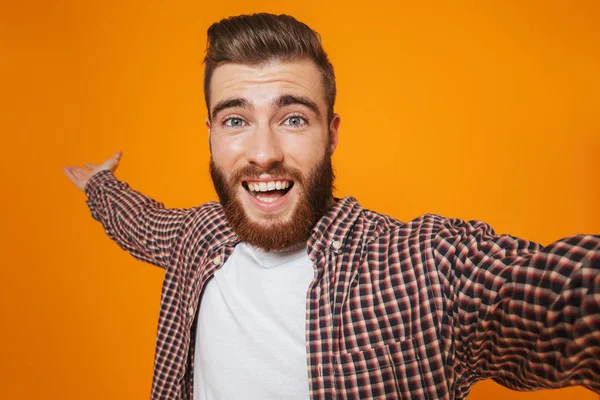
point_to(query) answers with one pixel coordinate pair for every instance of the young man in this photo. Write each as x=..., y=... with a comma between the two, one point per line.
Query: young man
x=281, y=290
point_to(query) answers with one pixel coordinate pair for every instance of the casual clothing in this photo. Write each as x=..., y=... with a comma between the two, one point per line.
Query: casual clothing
x=422, y=309
x=250, y=337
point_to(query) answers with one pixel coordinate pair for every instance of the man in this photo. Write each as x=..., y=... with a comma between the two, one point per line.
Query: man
x=281, y=290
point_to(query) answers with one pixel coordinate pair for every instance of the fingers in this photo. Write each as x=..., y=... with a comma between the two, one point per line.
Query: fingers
x=78, y=176
x=78, y=172
x=69, y=174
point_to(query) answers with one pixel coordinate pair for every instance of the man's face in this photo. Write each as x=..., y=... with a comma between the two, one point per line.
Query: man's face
x=271, y=150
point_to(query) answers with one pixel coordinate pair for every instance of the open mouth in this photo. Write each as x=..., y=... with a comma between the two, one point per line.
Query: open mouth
x=268, y=191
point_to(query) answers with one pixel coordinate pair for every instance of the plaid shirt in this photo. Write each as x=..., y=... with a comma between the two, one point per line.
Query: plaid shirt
x=396, y=310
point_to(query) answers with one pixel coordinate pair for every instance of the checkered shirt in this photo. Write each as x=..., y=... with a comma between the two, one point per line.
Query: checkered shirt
x=416, y=310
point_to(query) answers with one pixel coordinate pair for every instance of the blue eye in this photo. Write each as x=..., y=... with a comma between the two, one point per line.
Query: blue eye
x=295, y=121
x=234, y=122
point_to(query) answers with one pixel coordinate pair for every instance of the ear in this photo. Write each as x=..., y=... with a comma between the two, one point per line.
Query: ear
x=208, y=129
x=333, y=132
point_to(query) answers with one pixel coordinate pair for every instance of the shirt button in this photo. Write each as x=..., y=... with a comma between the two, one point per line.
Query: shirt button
x=217, y=260
x=337, y=244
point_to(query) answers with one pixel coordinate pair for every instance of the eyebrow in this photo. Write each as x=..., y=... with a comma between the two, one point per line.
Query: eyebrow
x=289, y=99
x=229, y=103
x=282, y=101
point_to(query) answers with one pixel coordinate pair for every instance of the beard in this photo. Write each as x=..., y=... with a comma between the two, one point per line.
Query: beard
x=314, y=198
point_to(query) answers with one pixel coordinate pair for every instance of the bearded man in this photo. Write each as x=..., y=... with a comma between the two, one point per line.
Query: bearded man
x=281, y=290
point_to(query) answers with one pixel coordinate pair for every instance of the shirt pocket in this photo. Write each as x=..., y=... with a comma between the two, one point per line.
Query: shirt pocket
x=390, y=371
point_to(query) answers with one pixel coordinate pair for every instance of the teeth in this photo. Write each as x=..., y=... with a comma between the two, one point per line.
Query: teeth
x=266, y=199
x=267, y=186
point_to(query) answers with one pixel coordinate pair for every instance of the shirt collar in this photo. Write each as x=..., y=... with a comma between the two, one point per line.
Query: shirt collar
x=333, y=228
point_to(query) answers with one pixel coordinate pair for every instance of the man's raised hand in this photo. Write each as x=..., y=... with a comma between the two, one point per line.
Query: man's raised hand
x=80, y=176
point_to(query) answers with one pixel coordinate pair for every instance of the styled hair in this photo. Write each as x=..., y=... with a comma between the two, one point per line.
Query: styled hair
x=259, y=38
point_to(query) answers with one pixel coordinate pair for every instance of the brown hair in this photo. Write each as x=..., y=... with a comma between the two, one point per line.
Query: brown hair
x=259, y=38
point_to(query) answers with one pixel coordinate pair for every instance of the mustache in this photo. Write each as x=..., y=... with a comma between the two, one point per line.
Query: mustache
x=253, y=171
x=314, y=198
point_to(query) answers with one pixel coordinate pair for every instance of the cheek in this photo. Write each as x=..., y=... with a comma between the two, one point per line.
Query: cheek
x=304, y=154
x=226, y=150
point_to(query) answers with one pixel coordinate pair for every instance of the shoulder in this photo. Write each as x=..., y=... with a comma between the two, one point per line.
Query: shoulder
x=206, y=217
x=384, y=226
x=208, y=226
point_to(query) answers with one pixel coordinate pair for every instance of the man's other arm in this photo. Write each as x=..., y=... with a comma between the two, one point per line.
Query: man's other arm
x=524, y=315
x=137, y=223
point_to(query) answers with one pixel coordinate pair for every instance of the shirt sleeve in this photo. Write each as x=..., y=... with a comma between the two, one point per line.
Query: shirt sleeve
x=137, y=223
x=524, y=315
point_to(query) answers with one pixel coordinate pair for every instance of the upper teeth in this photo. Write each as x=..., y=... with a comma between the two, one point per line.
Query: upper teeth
x=266, y=186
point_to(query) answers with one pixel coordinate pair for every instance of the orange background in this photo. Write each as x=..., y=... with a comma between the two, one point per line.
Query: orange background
x=478, y=110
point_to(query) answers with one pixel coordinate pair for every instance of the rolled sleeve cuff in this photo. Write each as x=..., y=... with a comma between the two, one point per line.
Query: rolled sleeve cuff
x=94, y=185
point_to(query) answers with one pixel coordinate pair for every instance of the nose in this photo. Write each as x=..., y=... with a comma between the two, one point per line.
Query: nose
x=264, y=147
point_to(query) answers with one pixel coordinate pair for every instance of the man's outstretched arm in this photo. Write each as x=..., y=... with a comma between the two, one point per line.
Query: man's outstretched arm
x=526, y=316
x=137, y=223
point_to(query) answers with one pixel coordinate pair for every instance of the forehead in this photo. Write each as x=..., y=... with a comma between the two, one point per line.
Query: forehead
x=260, y=84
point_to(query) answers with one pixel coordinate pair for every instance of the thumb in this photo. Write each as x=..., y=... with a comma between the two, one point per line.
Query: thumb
x=113, y=162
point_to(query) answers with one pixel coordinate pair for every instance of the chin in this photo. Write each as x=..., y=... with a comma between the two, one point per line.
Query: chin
x=268, y=218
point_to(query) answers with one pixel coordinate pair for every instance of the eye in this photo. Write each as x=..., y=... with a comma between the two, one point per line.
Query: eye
x=234, y=122
x=295, y=121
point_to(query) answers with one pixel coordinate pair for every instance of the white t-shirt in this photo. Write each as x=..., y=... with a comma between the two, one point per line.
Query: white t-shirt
x=250, y=339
